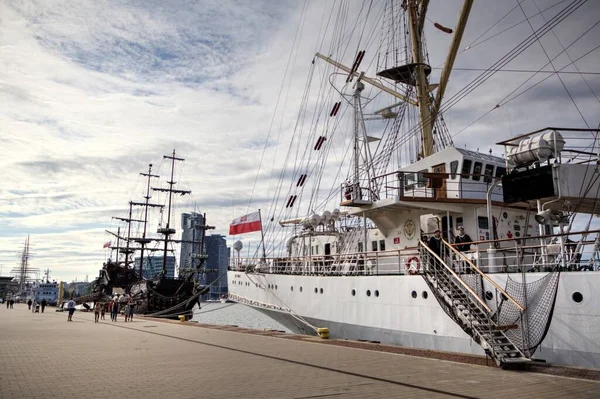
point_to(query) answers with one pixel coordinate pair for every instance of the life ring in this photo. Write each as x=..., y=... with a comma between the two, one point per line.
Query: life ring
x=410, y=268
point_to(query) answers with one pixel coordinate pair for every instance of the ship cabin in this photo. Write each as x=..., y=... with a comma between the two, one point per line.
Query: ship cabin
x=451, y=174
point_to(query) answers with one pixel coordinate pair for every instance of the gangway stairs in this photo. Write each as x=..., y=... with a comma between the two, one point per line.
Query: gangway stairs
x=468, y=309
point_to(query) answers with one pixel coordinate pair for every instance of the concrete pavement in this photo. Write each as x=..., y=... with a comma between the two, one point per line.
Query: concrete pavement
x=44, y=356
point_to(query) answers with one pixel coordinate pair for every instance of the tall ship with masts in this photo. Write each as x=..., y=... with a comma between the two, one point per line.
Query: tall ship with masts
x=381, y=254
x=157, y=294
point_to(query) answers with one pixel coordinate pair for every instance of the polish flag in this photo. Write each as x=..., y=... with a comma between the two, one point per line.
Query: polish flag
x=106, y=245
x=245, y=224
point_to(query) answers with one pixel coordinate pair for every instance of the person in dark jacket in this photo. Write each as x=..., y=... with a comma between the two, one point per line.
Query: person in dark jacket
x=462, y=240
x=44, y=303
x=435, y=242
x=29, y=302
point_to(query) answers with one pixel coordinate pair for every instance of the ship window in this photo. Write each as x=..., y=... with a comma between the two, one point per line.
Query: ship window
x=374, y=245
x=453, y=169
x=353, y=292
x=482, y=222
x=360, y=247
x=489, y=295
x=477, y=171
x=300, y=289
x=327, y=249
x=577, y=297
x=488, y=173
x=421, y=179
x=500, y=171
x=424, y=295
x=292, y=288
x=413, y=294
x=368, y=292
x=320, y=290
x=377, y=293
x=466, y=168
x=316, y=249
x=382, y=245
x=316, y=290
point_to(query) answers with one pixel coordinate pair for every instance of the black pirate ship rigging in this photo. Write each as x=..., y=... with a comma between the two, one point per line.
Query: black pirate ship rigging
x=157, y=295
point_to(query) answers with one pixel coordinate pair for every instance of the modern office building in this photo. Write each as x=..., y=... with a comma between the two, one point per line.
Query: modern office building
x=216, y=265
x=153, y=266
x=191, y=230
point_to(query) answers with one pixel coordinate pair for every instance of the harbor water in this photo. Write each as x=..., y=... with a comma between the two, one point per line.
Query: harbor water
x=234, y=314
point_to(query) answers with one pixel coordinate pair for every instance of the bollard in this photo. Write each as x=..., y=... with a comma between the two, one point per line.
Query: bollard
x=323, y=332
x=181, y=318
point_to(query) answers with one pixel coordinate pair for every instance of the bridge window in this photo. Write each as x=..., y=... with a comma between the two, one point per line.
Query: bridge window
x=421, y=179
x=382, y=245
x=360, y=247
x=482, y=222
x=453, y=169
x=477, y=171
x=500, y=171
x=466, y=168
x=374, y=245
x=488, y=173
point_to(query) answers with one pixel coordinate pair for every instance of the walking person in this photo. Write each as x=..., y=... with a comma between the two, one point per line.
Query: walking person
x=71, y=309
x=33, y=306
x=130, y=307
x=7, y=303
x=44, y=303
x=97, y=306
x=115, y=311
x=102, y=311
x=463, y=244
x=12, y=303
x=29, y=304
x=435, y=244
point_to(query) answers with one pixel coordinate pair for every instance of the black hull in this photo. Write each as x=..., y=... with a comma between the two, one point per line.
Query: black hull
x=166, y=297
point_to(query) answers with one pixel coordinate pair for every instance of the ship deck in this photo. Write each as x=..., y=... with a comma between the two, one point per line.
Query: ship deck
x=154, y=359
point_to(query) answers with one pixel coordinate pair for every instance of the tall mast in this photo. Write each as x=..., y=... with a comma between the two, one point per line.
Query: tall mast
x=421, y=79
x=168, y=231
x=143, y=241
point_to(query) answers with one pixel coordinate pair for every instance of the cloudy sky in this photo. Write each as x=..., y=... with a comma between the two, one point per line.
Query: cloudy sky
x=91, y=92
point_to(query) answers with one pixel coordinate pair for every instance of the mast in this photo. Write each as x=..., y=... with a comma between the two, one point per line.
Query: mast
x=421, y=79
x=168, y=231
x=143, y=241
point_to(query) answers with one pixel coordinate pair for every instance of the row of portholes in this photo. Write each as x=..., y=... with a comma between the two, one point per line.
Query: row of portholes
x=240, y=282
x=317, y=290
x=576, y=296
x=424, y=294
x=272, y=286
x=376, y=293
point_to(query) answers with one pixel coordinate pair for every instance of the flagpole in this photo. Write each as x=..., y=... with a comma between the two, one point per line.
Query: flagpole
x=262, y=234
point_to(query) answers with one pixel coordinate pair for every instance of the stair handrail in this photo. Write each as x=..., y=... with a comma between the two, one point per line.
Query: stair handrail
x=460, y=280
x=484, y=275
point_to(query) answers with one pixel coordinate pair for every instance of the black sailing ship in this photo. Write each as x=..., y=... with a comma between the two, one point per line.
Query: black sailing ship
x=158, y=295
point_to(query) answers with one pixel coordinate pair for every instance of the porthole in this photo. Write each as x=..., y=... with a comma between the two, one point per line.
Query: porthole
x=368, y=292
x=321, y=291
x=577, y=297
x=377, y=293
x=414, y=294
x=300, y=289
x=424, y=294
x=316, y=290
x=275, y=286
x=489, y=296
x=292, y=288
x=269, y=286
x=353, y=292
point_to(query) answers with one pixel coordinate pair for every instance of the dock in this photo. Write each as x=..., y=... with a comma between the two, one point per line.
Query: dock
x=44, y=356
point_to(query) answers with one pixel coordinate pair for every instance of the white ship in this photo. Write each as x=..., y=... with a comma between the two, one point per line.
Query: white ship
x=356, y=259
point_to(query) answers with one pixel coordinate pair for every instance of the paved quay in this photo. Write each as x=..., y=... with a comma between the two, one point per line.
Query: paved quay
x=44, y=356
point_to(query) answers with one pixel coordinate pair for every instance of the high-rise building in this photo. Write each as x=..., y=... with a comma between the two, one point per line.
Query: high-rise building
x=216, y=265
x=153, y=266
x=191, y=230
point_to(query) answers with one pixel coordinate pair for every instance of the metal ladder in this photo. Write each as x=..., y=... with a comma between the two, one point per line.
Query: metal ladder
x=468, y=309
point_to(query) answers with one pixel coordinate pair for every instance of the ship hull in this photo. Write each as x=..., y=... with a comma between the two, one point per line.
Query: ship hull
x=167, y=297
x=396, y=317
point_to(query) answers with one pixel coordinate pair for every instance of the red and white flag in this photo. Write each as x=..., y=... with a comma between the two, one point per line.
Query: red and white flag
x=245, y=224
x=106, y=245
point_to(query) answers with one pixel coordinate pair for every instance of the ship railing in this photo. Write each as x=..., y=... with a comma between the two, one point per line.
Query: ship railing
x=371, y=263
x=572, y=252
x=412, y=185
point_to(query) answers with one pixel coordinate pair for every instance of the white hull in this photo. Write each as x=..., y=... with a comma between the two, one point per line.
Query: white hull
x=395, y=317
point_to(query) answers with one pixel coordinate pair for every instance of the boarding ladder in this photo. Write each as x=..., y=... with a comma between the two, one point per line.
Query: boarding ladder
x=467, y=308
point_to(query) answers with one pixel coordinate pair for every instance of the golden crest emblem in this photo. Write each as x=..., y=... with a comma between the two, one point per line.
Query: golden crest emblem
x=409, y=229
